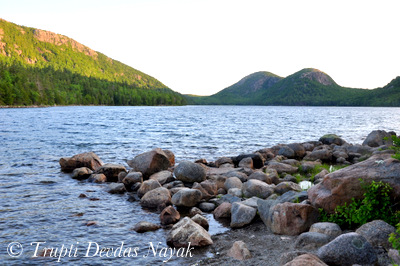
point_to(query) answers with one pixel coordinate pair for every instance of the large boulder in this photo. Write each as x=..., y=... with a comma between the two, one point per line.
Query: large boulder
x=254, y=187
x=190, y=172
x=292, y=218
x=146, y=186
x=187, y=197
x=299, y=150
x=286, y=152
x=208, y=188
x=241, y=215
x=332, y=139
x=157, y=197
x=257, y=158
x=377, y=233
x=132, y=178
x=187, y=231
x=163, y=177
x=341, y=186
x=87, y=159
x=377, y=138
x=169, y=216
x=233, y=182
x=111, y=171
x=348, y=249
x=264, y=210
x=151, y=162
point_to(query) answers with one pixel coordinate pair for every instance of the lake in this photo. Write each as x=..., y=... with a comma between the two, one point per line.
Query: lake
x=39, y=203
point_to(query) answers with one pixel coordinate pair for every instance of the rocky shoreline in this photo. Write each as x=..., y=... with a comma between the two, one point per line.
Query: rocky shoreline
x=261, y=195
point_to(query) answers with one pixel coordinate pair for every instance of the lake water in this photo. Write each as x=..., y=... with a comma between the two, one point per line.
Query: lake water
x=39, y=203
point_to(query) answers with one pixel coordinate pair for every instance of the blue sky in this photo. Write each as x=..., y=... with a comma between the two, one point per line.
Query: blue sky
x=203, y=46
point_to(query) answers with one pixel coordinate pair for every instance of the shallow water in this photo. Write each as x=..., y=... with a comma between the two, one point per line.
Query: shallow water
x=39, y=203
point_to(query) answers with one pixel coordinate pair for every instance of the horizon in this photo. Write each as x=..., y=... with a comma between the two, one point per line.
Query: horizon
x=176, y=50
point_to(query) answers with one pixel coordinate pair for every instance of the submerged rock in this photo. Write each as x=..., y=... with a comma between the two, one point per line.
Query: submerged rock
x=111, y=171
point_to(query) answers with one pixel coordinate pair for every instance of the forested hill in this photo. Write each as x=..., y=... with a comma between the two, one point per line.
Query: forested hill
x=306, y=87
x=39, y=67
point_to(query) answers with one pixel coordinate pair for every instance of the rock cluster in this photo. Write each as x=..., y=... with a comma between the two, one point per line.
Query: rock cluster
x=263, y=184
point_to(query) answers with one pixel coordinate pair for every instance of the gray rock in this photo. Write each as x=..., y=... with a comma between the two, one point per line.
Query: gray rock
x=187, y=197
x=147, y=186
x=348, y=249
x=157, y=197
x=116, y=188
x=377, y=233
x=257, y=188
x=207, y=206
x=284, y=187
x=227, y=198
x=223, y=160
x=263, y=208
x=237, y=192
x=258, y=175
x=321, y=175
x=292, y=196
x=324, y=155
x=252, y=202
x=282, y=168
x=376, y=138
x=201, y=220
x=286, y=151
x=151, y=162
x=241, y=215
x=163, y=177
x=332, y=139
x=233, y=182
x=190, y=172
x=246, y=163
x=186, y=231
x=240, y=175
x=132, y=178
x=311, y=240
x=330, y=229
x=121, y=176
x=299, y=150
x=272, y=175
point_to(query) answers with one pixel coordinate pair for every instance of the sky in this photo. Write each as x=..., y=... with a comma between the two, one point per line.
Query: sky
x=203, y=46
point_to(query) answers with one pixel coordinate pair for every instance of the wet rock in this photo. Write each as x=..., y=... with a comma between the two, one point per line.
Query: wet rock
x=341, y=186
x=206, y=206
x=282, y=168
x=87, y=159
x=311, y=240
x=111, y=171
x=156, y=197
x=223, y=211
x=332, y=139
x=151, y=162
x=97, y=178
x=116, y=188
x=284, y=187
x=258, y=160
x=121, y=176
x=223, y=160
x=286, y=152
x=246, y=163
x=186, y=231
x=169, y=216
x=81, y=173
x=163, y=177
x=187, y=197
x=377, y=233
x=201, y=220
x=348, y=249
x=233, y=182
x=132, y=178
x=376, y=138
x=257, y=188
x=292, y=218
x=193, y=211
x=239, y=251
x=91, y=223
x=306, y=260
x=146, y=186
x=144, y=226
x=241, y=215
x=82, y=195
x=190, y=172
x=330, y=229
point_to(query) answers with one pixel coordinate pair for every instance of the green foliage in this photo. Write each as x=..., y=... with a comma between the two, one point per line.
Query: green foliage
x=376, y=204
x=396, y=146
x=394, y=238
x=34, y=72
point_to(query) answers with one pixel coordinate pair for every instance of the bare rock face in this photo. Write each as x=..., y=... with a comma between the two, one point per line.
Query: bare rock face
x=151, y=162
x=292, y=218
x=343, y=185
x=87, y=159
x=169, y=216
x=186, y=231
x=306, y=260
x=111, y=171
x=155, y=198
x=239, y=251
